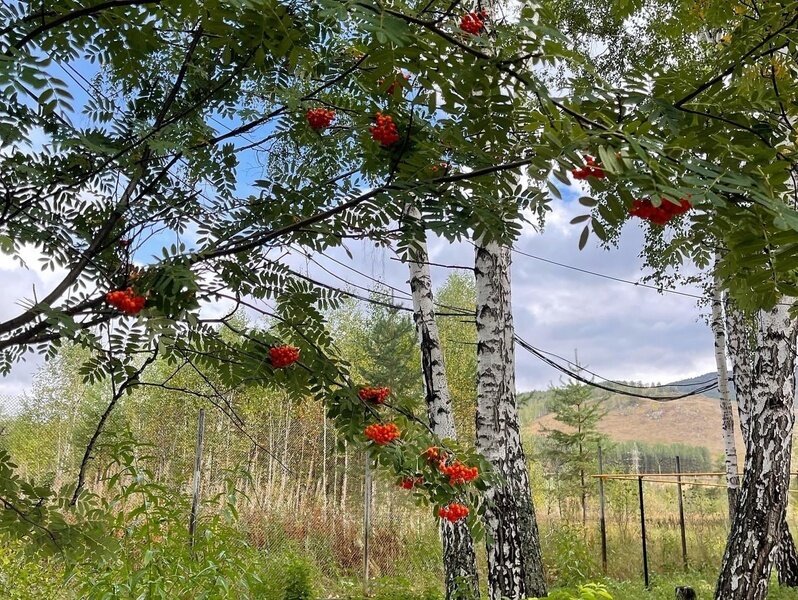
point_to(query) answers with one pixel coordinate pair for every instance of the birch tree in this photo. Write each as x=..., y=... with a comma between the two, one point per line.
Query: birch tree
x=758, y=525
x=726, y=409
x=459, y=559
x=743, y=349
x=515, y=568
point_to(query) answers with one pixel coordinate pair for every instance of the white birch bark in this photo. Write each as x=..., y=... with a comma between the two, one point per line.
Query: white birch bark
x=726, y=411
x=515, y=569
x=739, y=344
x=758, y=528
x=742, y=353
x=459, y=559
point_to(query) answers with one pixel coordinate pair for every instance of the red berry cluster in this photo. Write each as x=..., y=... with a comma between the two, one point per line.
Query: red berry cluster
x=473, y=22
x=320, y=118
x=408, y=483
x=378, y=395
x=382, y=433
x=454, y=512
x=128, y=301
x=591, y=169
x=283, y=356
x=433, y=453
x=659, y=215
x=384, y=130
x=458, y=473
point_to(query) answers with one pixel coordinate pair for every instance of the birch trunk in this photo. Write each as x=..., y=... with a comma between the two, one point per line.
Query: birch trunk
x=741, y=353
x=738, y=342
x=758, y=526
x=515, y=568
x=726, y=411
x=459, y=559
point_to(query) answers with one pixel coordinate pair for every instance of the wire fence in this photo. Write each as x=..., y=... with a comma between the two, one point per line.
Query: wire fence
x=301, y=487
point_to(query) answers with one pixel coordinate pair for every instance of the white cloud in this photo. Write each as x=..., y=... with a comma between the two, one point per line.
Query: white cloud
x=620, y=331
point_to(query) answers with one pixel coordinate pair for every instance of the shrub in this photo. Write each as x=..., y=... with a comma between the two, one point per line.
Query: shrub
x=298, y=579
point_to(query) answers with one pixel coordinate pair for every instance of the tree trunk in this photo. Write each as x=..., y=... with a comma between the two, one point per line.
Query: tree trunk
x=459, y=559
x=738, y=342
x=741, y=353
x=786, y=558
x=758, y=524
x=515, y=568
x=726, y=411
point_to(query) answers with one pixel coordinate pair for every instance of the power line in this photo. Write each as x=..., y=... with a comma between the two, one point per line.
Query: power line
x=538, y=353
x=610, y=277
x=468, y=313
x=629, y=385
x=574, y=375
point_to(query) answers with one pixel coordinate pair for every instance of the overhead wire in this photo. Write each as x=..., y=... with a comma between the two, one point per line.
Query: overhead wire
x=609, y=277
x=465, y=312
x=700, y=388
x=582, y=379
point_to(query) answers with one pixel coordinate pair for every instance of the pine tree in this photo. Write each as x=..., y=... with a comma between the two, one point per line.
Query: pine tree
x=573, y=450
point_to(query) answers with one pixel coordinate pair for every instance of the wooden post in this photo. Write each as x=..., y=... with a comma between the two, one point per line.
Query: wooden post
x=192, y=523
x=681, y=510
x=602, y=514
x=366, y=522
x=643, y=528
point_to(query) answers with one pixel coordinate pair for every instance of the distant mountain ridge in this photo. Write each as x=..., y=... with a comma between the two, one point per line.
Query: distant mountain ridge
x=693, y=421
x=693, y=383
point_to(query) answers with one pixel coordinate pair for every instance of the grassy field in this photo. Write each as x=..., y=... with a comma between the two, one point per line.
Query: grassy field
x=291, y=571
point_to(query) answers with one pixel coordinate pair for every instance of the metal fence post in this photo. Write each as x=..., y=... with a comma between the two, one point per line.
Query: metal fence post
x=192, y=523
x=602, y=514
x=681, y=510
x=366, y=521
x=643, y=528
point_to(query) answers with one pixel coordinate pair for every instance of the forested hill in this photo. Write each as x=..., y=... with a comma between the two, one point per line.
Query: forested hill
x=692, y=421
x=692, y=383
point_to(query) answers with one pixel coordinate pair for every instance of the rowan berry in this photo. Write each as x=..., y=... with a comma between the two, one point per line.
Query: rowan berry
x=283, y=356
x=408, y=483
x=434, y=453
x=378, y=395
x=382, y=433
x=458, y=473
x=320, y=118
x=643, y=208
x=453, y=512
x=127, y=301
x=473, y=22
x=384, y=130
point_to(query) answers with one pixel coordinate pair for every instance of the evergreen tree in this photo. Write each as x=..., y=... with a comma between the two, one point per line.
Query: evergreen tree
x=572, y=451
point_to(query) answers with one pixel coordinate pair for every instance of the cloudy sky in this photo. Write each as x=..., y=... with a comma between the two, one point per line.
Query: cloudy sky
x=619, y=330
